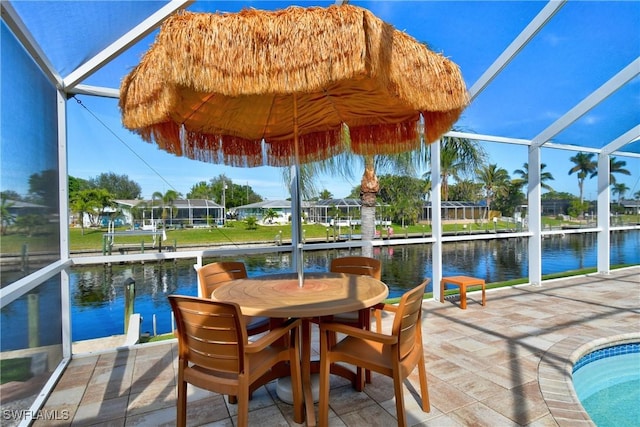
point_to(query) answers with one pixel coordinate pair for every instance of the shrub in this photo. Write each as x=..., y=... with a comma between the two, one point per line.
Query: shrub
x=252, y=223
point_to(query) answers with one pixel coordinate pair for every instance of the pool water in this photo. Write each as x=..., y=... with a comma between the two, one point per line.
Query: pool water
x=607, y=382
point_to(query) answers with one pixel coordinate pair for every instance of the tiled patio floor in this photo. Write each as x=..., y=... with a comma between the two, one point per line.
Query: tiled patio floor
x=501, y=365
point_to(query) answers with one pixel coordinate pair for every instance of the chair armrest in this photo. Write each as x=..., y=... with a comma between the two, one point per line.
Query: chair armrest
x=358, y=333
x=272, y=336
x=385, y=307
x=378, y=309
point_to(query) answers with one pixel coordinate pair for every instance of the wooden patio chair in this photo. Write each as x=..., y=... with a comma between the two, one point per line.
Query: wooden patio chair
x=395, y=355
x=215, y=274
x=361, y=319
x=215, y=354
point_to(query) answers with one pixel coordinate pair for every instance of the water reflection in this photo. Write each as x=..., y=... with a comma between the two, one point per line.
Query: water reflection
x=98, y=292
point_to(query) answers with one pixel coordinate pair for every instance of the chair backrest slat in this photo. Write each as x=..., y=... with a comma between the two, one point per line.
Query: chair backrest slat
x=211, y=334
x=212, y=275
x=357, y=265
x=406, y=324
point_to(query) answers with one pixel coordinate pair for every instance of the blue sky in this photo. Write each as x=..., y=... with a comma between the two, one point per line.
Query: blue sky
x=583, y=46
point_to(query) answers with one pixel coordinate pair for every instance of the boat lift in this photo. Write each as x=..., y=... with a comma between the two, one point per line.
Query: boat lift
x=108, y=243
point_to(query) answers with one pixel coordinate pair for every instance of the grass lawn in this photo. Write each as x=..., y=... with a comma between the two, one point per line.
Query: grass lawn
x=18, y=369
x=92, y=239
x=17, y=242
x=237, y=232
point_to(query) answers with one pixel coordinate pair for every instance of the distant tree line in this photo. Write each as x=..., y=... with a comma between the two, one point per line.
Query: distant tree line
x=234, y=194
x=463, y=163
x=466, y=176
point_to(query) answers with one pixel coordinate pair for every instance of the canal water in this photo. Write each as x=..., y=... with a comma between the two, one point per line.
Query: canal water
x=97, y=293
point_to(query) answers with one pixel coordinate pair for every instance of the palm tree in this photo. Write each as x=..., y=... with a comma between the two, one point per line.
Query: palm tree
x=449, y=167
x=344, y=165
x=619, y=189
x=584, y=166
x=458, y=156
x=467, y=190
x=463, y=154
x=6, y=217
x=544, y=176
x=369, y=187
x=93, y=202
x=615, y=166
x=269, y=214
x=167, y=201
x=325, y=194
x=494, y=181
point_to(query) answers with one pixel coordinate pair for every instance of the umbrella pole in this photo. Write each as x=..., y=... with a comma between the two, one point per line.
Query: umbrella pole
x=296, y=209
x=296, y=234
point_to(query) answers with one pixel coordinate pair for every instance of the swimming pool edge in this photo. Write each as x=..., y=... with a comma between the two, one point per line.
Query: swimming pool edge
x=555, y=375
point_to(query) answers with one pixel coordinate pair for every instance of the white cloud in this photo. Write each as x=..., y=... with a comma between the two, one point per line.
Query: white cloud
x=590, y=119
x=553, y=40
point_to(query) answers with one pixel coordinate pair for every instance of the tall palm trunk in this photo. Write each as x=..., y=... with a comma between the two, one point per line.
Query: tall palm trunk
x=581, y=178
x=369, y=188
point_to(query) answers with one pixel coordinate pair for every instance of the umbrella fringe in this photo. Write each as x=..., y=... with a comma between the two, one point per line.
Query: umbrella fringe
x=201, y=146
x=242, y=152
x=312, y=147
x=225, y=149
x=375, y=139
x=166, y=135
x=437, y=123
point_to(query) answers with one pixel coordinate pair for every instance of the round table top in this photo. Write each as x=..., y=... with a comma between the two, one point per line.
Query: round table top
x=322, y=294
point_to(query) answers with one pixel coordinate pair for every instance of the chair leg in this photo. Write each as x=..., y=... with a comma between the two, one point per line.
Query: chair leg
x=325, y=367
x=364, y=318
x=424, y=387
x=360, y=379
x=296, y=380
x=243, y=406
x=361, y=375
x=397, y=386
x=181, y=416
x=378, y=315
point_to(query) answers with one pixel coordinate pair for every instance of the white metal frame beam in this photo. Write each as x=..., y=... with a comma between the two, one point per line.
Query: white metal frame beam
x=631, y=135
x=604, y=214
x=63, y=200
x=15, y=290
x=123, y=43
x=488, y=138
x=534, y=216
x=516, y=46
x=436, y=219
x=596, y=97
x=94, y=91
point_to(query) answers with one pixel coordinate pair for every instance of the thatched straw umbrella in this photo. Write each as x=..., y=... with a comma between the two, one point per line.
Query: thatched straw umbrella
x=286, y=87
x=219, y=87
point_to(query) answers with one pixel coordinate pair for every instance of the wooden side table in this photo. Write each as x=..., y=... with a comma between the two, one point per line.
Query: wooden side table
x=462, y=282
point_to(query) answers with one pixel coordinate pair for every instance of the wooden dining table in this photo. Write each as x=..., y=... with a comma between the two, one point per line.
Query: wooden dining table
x=322, y=294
